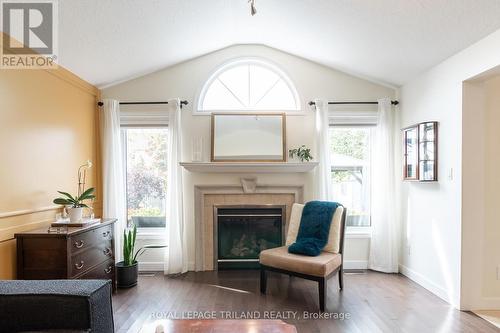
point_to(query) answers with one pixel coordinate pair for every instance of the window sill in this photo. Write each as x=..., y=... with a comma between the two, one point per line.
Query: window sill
x=358, y=232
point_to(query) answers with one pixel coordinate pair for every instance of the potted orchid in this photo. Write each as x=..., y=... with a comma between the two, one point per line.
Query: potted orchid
x=74, y=204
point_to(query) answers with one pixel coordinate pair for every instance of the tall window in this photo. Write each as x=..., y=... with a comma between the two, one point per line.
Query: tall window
x=350, y=149
x=248, y=85
x=146, y=171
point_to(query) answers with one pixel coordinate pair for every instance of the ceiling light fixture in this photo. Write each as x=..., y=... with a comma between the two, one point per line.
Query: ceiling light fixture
x=253, y=11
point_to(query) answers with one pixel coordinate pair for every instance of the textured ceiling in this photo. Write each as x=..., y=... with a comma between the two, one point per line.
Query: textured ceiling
x=390, y=41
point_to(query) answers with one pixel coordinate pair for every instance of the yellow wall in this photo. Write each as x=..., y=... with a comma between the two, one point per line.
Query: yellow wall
x=48, y=127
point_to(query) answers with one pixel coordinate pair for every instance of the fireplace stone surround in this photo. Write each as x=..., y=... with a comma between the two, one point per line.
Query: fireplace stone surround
x=249, y=193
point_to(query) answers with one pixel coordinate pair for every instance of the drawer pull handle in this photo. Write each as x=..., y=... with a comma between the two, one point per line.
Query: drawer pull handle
x=80, y=244
x=107, y=251
x=108, y=270
x=79, y=265
x=106, y=234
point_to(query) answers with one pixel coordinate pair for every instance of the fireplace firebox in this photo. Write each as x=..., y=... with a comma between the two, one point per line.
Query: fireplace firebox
x=241, y=232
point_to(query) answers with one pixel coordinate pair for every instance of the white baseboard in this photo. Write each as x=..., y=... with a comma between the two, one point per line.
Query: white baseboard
x=426, y=283
x=150, y=267
x=355, y=264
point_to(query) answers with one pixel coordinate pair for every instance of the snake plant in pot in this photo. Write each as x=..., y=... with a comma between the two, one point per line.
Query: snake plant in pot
x=128, y=269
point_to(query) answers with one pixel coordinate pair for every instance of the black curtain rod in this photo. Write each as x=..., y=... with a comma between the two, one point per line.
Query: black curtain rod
x=353, y=103
x=144, y=103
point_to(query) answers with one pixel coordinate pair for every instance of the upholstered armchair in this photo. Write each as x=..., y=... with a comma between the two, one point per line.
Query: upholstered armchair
x=320, y=268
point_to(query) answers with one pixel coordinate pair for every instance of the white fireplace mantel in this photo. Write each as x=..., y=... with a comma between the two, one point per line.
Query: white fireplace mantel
x=249, y=167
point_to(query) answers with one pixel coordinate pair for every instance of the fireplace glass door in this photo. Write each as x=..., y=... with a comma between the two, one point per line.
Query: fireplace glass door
x=242, y=233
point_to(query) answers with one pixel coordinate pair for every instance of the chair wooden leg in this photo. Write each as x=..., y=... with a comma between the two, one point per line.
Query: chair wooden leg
x=341, y=279
x=263, y=280
x=322, y=288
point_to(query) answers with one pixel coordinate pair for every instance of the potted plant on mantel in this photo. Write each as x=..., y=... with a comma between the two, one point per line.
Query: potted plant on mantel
x=303, y=153
x=76, y=205
x=128, y=269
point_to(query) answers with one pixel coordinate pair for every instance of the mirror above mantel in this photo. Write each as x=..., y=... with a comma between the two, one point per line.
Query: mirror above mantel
x=248, y=137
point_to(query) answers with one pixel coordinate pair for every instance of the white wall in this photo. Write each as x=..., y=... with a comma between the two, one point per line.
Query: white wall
x=436, y=251
x=185, y=81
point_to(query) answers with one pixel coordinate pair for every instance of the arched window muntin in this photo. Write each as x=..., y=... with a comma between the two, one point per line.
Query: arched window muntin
x=293, y=103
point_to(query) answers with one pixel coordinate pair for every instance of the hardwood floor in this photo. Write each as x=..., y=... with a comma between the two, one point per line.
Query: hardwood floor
x=374, y=302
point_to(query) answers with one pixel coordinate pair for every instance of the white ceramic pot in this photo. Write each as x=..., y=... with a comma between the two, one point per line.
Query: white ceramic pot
x=75, y=214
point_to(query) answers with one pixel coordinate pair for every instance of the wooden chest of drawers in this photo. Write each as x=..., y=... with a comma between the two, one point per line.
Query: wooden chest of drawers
x=79, y=253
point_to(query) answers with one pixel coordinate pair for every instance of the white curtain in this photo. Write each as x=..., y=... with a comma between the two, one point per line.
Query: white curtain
x=364, y=219
x=384, y=246
x=113, y=201
x=176, y=253
x=323, y=171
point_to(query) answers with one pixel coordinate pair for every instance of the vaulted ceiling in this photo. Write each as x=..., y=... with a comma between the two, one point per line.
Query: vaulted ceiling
x=390, y=41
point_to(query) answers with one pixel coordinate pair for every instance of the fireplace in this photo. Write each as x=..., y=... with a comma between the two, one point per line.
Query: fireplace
x=241, y=232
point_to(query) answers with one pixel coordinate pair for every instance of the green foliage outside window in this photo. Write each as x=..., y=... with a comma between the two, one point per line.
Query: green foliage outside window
x=146, y=171
x=349, y=142
x=145, y=211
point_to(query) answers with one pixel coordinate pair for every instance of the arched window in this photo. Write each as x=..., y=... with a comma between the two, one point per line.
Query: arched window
x=248, y=85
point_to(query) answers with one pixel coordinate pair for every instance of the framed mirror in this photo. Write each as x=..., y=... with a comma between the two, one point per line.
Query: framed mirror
x=249, y=137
